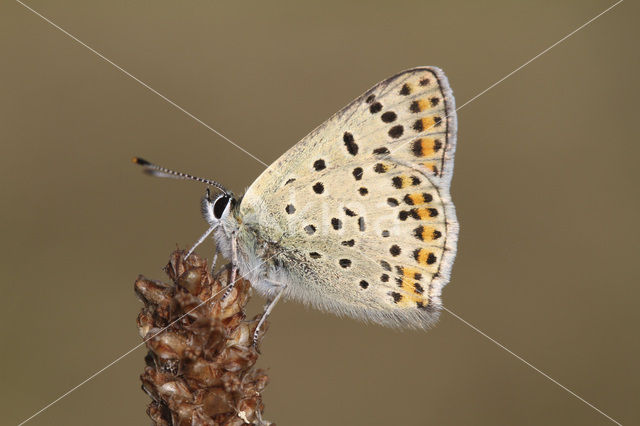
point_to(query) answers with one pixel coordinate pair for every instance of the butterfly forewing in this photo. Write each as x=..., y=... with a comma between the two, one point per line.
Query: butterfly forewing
x=360, y=208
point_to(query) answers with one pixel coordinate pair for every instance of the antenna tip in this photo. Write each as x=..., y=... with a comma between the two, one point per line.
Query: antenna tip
x=140, y=161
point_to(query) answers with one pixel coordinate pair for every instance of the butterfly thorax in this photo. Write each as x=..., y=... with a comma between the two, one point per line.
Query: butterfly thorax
x=260, y=256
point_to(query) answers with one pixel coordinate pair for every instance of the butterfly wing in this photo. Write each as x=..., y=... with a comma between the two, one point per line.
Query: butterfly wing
x=358, y=215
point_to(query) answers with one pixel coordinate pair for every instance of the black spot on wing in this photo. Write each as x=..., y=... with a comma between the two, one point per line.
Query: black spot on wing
x=389, y=117
x=352, y=147
x=319, y=165
x=318, y=188
x=375, y=108
x=349, y=212
x=396, y=131
x=357, y=173
x=380, y=168
x=381, y=150
x=345, y=263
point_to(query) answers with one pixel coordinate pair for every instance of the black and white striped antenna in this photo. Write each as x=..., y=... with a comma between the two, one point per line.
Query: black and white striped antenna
x=159, y=171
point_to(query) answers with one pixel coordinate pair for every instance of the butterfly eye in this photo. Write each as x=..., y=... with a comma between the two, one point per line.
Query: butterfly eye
x=220, y=205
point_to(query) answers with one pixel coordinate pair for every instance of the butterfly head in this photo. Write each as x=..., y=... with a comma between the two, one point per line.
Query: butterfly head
x=217, y=209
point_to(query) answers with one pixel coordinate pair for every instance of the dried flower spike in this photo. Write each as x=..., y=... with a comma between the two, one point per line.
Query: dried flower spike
x=201, y=355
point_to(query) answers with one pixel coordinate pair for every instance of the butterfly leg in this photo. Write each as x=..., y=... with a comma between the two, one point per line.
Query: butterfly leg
x=214, y=259
x=234, y=266
x=271, y=303
x=234, y=258
x=200, y=240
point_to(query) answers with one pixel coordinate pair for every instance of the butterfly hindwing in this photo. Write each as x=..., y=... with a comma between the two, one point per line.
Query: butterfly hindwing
x=360, y=208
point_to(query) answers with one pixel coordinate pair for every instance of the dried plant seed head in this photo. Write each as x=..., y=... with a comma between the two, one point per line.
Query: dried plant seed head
x=200, y=363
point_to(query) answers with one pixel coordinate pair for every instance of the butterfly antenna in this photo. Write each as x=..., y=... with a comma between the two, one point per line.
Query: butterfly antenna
x=159, y=171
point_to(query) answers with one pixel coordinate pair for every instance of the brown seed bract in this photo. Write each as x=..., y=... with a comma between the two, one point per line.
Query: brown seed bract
x=200, y=369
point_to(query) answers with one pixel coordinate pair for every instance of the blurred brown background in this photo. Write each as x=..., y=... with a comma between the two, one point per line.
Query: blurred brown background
x=545, y=185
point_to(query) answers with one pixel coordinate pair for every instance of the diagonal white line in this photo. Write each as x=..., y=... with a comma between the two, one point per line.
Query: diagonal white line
x=145, y=84
x=530, y=365
x=519, y=68
x=263, y=163
x=137, y=346
x=539, y=54
x=64, y=395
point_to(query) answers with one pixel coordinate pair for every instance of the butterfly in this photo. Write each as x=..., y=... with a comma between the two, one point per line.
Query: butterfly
x=356, y=218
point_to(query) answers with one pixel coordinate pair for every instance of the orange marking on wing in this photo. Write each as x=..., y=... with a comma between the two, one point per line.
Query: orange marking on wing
x=428, y=123
x=424, y=257
x=431, y=165
x=417, y=198
x=426, y=213
x=427, y=145
x=411, y=298
x=404, y=181
x=423, y=104
x=409, y=272
x=428, y=233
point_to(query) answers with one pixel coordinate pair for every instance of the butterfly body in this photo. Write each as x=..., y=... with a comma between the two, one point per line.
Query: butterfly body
x=356, y=219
